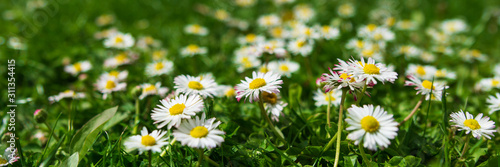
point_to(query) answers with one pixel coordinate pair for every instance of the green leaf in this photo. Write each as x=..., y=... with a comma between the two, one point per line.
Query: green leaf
x=410, y=160
x=295, y=91
x=493, y=161
x=85, y=137
x=72, y=161
x=351, y=160
x=395, y=160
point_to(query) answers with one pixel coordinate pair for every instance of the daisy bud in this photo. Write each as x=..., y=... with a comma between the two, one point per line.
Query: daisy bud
x=320, y=82
x=136, y=91
x=40, y=115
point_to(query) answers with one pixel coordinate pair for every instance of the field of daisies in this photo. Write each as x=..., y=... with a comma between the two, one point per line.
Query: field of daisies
x=250, y=83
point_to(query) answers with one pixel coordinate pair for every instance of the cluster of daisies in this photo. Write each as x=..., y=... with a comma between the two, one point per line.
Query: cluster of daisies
x=372, y=125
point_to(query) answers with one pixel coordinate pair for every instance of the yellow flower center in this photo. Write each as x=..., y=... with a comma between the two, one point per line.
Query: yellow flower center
x=284, y=68
x=230, y=93
x=3, y=161
x=476, y=53
x=159, y=66
x=371, y=27
x=359, y=44
x=118, y=39
x=199, y=132
x=370, y=124
x=192, y=48
x=420, y=70
x=427, y=84
x=344, y=76
x=121, y=57
x=149, y=40
x=110, y=84
x=277, y=31
x=78, y=67
x=149, y=88
x=257, y=83
x=301, y=43
x=251, y=37
x=114, y=73
x=440, y=73
x=196, y=28
x=371, y=69
x=367, y=53
x=495, y=82
x=325, y=29
x=263, y=69
x=472, y=124
x=246, y=62
x=158, y=54
x=329, y=97
x=148, y=140
x=177, y=109
x=195, y=85
x=269, y=97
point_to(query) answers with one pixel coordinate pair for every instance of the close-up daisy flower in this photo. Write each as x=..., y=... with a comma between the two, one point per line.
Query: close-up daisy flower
x=270, y=20
x=424, y=87
x=453, y=26
x=121, y=58
x=479, y=126
x=189, y=85
x=372, y=71
x=421, y=71
x=303, y=12
x=300, y=46
x=146, y=141
x=251, y=39
x=150, y=89
x=118, y=75
x=9, y=157
x=77, y=68
x=171, y=112
x=273, y=105
x=159, y=68
x=372, y=126
x=199, y=133
x=250, y=88
x=328, y=32
x=119, y=41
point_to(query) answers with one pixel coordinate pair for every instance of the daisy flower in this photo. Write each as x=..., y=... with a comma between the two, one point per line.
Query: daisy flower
x=283, y=67
x=409, y=51
x=260, y=82
x=443, y=73
x=372, y=71
x=159, y=68
x=321, y=98
x=356, y=44
x=303, y=31
x=486, y=84
x=119, y=41
x=273, y=105
x=190, y=85
x=192, y=50
x=328, y=32
x=479, y=126
x=159, y=54
x=273, y=47
x=420, y=71
x=105, y=33
x=108, y=85
x=424, y=87
x=493, y=103
x=346, y=10
x=453, y=26
x=303, y=12
x=251, y=39
x=147, y=141
x=300, y=46
x=75, y=69
x=67, y=94
x=279, y=32
x=406, y=25
x=226, y=91
x=149, y=89
x=120, y=59
x=196, y=29
x=474, y=54
x=199, y=133
x=148, y=42
x=172, y=112
x=270, y=20
x=371, y=125
x=104, y=19
x=245, y=3
x=118, y=75
x=9, y=157
x=339, y=80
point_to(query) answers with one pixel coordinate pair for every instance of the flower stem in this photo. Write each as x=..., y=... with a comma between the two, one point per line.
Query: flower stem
x=464, y=150
x=339, y=130
x=271, y=125
x=136, y=121
x=50, y=129
x=210, y=160
x=150, y=155
x=413, y=111
x=200, y=158
x=328, y=109
x=330, y=143
x=363, y=155
x=362, y=94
